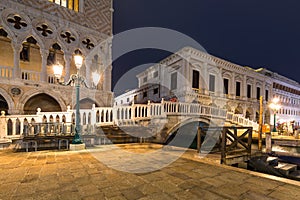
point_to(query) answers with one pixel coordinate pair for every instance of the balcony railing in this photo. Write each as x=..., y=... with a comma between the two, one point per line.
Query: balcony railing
x=30, y=75
x=6, y=72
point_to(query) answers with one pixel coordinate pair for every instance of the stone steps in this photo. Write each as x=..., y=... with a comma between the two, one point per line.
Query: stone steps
x=286, y=168
x=273, y=161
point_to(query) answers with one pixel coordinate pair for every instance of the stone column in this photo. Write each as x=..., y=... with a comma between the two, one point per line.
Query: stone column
x=68, y=59
x=44, y=55
x=244, y=88
x=205, y=79
x=254, y=88
x=232, y=86
x=17, y=47
x=88, y=76
x=107, y=79
x=263, y=90
x=219, y=84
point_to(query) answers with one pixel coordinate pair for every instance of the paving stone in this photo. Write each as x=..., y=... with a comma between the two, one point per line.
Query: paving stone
x=120, y=197
x=232, y=190
x=285, y=190
x=166, y=186
x=149, y=189
x=205, y=194
x=132, y=193
x=254, y=195
x=182, y=195
x=111, y=192
x=69, y=196
x=79, y=175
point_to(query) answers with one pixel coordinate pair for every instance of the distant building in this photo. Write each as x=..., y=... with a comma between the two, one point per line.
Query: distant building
x=194, y=76
x=34, y=35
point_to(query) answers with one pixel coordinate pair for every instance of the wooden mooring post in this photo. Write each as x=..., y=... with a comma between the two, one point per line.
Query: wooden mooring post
x=198, y=139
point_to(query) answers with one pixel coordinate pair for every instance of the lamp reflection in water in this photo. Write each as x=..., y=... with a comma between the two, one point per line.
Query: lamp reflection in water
x=275, y=106
x=77, y=80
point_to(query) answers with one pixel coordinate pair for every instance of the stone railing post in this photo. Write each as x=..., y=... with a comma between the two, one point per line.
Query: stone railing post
x=3, y=125
x=93, y=114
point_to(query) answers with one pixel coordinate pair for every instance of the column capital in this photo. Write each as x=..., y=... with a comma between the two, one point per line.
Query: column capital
x=17, y=46
x=44, y=53
x=67, y=56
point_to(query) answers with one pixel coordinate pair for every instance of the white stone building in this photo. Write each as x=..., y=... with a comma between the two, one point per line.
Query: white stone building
x=194, y=76
x=35, y=34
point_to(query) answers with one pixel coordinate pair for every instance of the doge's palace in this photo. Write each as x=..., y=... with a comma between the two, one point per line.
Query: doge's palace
x=35, y=35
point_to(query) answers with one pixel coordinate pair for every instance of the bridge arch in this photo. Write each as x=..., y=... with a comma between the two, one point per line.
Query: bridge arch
x=185, y=131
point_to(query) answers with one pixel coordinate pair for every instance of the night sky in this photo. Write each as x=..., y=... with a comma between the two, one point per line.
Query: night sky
x=255, y=33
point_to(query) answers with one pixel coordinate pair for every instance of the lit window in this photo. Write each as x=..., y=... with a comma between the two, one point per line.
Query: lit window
x=71, y=4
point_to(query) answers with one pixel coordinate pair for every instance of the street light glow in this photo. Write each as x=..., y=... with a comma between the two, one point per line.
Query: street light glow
x=275, y=100
x=78, y=61
x=96, y=78
x=275, y=106
x=57, y=70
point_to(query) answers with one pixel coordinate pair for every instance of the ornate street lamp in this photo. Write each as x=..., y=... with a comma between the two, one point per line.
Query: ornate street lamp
x=275, y=106
x=77, y=79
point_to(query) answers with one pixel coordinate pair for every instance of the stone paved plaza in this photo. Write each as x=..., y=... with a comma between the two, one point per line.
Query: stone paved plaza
x=81, y=175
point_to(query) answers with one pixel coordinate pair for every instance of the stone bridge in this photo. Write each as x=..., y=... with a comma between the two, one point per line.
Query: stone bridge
x=157, y=121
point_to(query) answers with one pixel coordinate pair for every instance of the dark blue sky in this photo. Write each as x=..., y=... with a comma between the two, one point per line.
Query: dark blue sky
x=255, y=33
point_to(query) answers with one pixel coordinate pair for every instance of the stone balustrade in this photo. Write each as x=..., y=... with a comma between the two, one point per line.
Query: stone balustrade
x=31, y=75
x=6, y=72
x=241, y=120
x=13, y=126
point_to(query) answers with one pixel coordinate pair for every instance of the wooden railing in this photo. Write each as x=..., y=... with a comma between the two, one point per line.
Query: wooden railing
x=234, y=143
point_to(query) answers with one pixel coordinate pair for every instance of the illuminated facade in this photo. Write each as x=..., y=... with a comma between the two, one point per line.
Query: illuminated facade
x=194, y=76
x=35, y=35
x=75, y=5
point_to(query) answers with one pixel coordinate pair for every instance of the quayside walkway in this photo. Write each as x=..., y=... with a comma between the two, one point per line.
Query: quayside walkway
x=80, y=175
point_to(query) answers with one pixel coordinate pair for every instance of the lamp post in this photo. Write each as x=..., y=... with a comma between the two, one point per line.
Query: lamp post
x=77, y=79
x=275, y=106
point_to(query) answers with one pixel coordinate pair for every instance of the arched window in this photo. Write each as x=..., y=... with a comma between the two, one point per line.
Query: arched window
x=71, y=4
x=18, y=127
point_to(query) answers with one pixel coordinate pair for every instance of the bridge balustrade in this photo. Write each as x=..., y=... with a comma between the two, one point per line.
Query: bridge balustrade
x=102, y=115
x=241, y=120
x=49, y=129
x=13, y=125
